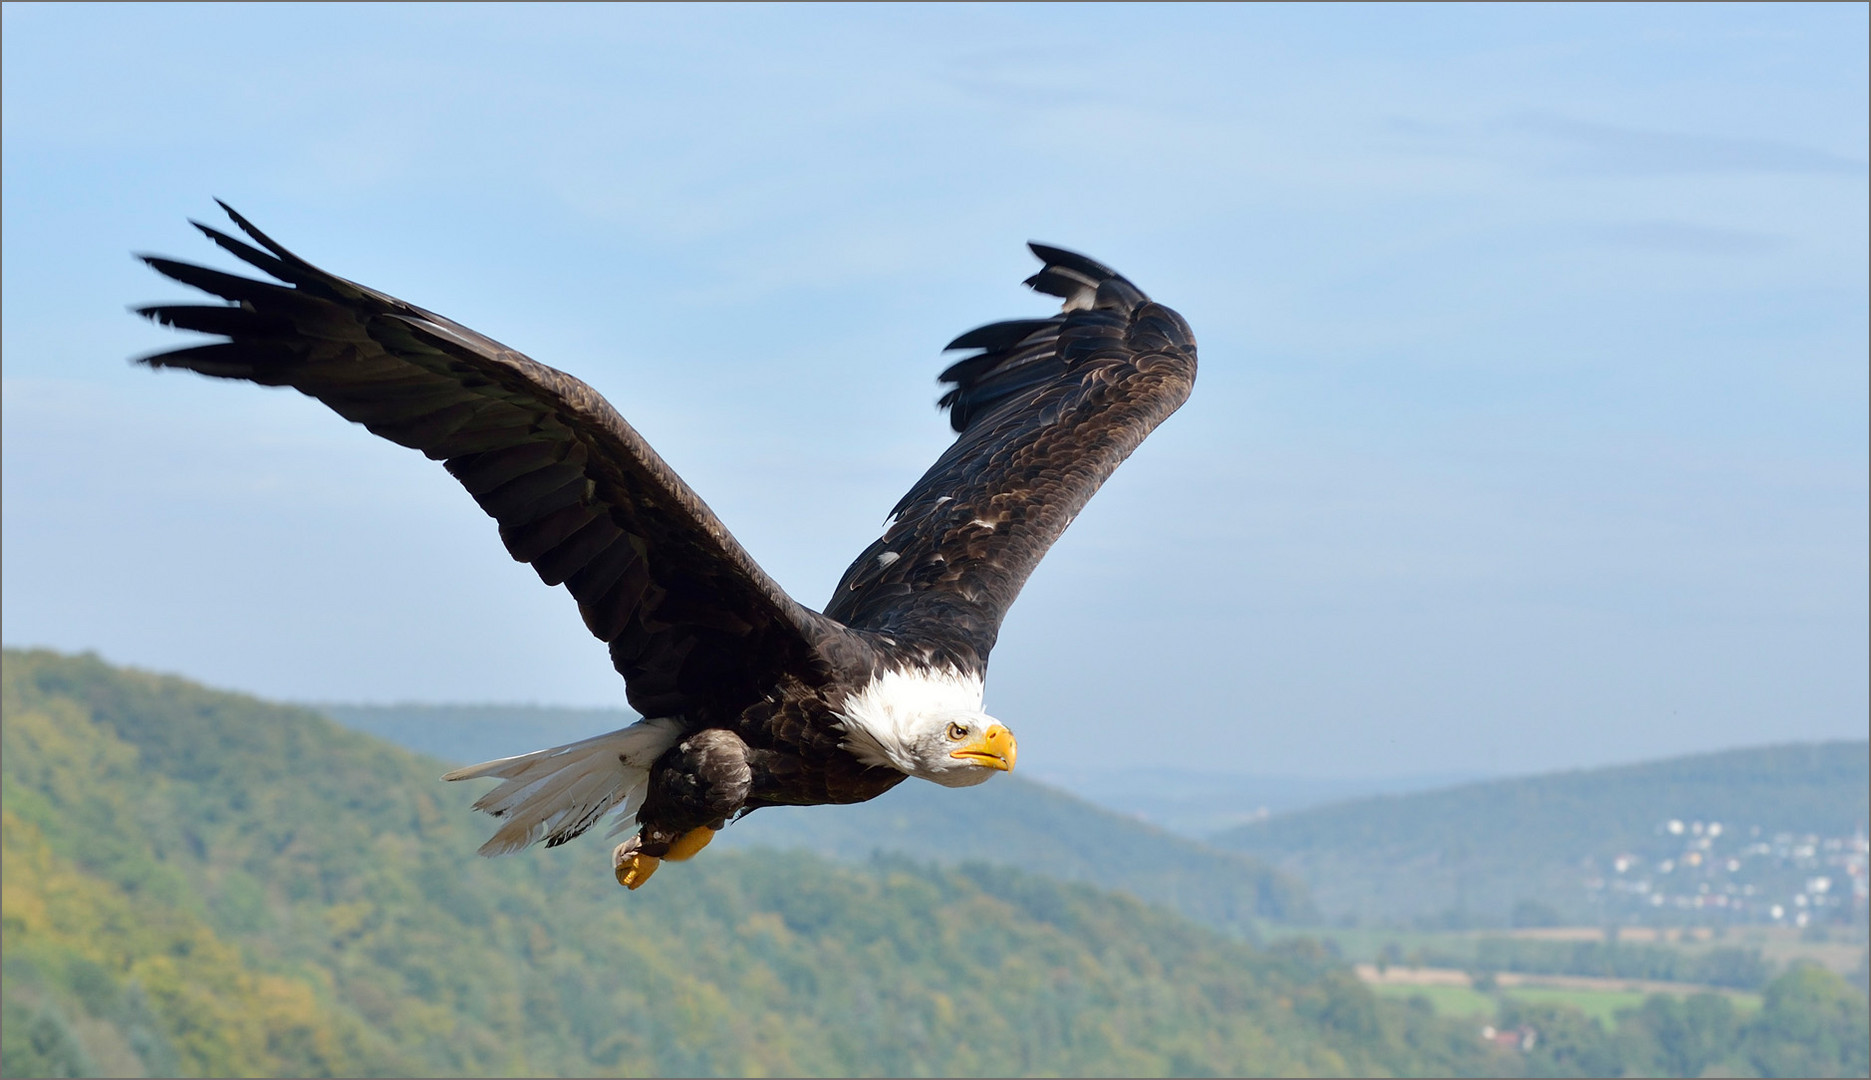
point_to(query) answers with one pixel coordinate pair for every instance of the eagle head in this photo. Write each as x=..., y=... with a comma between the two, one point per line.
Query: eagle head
x=928, y=723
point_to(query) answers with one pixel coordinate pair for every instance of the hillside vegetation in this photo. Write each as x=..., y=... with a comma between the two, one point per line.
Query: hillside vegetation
x=200, y=883
x=1475, y=853
x=1008, y=821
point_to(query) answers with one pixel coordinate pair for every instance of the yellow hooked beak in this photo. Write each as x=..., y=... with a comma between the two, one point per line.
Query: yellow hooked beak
x=994, y=749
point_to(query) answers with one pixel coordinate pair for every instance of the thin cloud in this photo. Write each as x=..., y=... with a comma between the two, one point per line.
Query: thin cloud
x=1681, y=237
x=1550, y=141
x=1635, y=151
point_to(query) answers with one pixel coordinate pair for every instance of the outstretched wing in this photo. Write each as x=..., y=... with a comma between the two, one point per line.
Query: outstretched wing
x=1046, y=410
x=691, y=620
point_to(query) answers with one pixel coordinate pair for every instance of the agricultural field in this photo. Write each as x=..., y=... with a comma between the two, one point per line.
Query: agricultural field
x=1456, y=993
x=1443, y=968
x=1840, y=950
x=1466, y=1001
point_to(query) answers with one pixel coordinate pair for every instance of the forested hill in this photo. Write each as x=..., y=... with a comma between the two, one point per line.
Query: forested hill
x=1008, y=821
x=200, y=883
x=1481, y=849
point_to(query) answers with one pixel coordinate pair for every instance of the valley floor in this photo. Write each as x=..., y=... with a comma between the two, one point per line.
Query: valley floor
x=1454, y=992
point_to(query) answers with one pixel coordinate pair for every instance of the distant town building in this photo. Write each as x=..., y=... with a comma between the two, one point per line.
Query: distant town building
x=1708, y=872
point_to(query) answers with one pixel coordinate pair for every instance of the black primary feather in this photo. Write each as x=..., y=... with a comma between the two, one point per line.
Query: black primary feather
x=1045, y=412
x=536, y=448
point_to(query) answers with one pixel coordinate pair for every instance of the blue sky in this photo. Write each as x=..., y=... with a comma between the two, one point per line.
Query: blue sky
x=1530, y=432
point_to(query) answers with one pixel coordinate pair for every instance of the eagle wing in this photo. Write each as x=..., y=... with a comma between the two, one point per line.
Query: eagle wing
x=692, y=621
x=1046, y=410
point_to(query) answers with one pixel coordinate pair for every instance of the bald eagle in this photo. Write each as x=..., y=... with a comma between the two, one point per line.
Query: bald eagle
x=749, y=698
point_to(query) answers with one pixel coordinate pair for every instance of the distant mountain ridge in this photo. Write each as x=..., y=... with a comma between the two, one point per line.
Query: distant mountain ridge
x=1478, y=850
x=1008, y=821
x=1192, y=803
x=1199, y=803
x=468, y=734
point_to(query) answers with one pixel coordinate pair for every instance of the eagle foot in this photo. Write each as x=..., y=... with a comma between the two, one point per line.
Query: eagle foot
x=633, y=866
x=689, y=844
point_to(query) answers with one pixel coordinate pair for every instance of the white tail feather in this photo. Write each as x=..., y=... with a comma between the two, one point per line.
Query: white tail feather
x=558, y=793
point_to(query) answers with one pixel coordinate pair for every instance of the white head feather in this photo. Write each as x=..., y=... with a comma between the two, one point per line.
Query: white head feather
x=912, y=718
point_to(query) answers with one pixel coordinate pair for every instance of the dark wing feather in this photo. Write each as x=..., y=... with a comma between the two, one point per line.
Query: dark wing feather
x=1046, y=411
x=694, y=625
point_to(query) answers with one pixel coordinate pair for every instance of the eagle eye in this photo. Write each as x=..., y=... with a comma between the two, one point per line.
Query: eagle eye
x=957, y=732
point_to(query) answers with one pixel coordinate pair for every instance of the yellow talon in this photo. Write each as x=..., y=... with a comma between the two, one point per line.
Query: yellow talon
x=689, y=843
x=635, y=868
